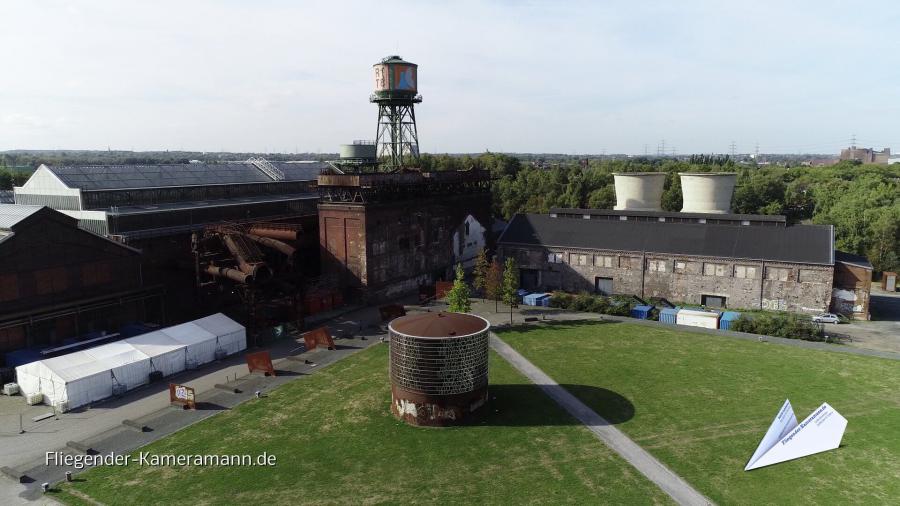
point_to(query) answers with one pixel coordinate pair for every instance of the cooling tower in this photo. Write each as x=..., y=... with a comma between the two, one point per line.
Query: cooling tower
x=707, y=192
x=639, y=191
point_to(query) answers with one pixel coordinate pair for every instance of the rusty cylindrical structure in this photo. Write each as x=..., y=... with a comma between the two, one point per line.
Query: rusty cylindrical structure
x=439, y=367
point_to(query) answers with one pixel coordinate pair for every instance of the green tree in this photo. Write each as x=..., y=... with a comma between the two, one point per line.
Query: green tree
x=510, y=285
x=480, y=271
x=458, y=296
x=493, y=283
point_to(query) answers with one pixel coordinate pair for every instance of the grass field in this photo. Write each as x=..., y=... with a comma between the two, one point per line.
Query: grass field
x=701, y=403
x=336, y=443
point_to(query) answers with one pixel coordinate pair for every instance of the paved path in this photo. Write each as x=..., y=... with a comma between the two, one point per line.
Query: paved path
x=100, y=427
x=670, y=483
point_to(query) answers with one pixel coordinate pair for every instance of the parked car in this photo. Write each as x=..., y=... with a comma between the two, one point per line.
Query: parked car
x=827, y=318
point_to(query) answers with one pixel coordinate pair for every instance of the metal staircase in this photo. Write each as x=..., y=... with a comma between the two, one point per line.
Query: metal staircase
x=267, y=168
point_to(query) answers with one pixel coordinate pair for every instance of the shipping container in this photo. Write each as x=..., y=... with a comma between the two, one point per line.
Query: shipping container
x=698, y=318
x=669, y=315
x=641, y=312
x=534, y=299
x=728, y=317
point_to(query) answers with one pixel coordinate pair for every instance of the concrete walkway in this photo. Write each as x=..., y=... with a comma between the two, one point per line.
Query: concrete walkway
x=100, y=427
x=678, y=489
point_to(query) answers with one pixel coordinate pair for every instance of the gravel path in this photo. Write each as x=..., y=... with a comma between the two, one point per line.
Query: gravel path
x=678, y=489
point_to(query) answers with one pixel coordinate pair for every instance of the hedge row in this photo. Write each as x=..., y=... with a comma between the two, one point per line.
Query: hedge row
x=586, y=302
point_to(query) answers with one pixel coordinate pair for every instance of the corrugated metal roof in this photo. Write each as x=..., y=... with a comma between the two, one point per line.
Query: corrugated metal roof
x=10, y=214
x=668, y=214
x=115, y=177
x=799, y=243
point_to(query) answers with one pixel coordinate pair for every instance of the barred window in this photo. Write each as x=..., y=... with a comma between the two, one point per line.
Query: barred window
x=656, y=265
x=777, y=273
x=745, y=271
x=711, y=269
x=603, y=261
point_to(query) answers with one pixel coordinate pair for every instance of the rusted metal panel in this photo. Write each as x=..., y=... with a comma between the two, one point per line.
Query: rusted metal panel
x=182, y=395
x=260, y=361
x=318, y=338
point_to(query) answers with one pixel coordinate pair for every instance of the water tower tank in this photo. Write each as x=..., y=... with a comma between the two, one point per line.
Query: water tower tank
x=438, y=367
x=358, y=151
x=707, y=192
x=395, y=78
x=639, y=191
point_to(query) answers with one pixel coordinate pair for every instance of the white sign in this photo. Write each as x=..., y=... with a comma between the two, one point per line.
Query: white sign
x=787, y=440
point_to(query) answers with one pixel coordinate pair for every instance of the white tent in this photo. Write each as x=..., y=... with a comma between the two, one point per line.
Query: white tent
x=199, y=344
x=129, y=367
x=231, y=335
x=82, y=377
x=166, y=354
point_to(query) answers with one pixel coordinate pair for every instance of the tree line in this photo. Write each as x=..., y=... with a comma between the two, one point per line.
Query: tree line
x=861, y=201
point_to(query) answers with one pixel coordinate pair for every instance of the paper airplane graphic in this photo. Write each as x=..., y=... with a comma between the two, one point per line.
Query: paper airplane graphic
x=787, y=440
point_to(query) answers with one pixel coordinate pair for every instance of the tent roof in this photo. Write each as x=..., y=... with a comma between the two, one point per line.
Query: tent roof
x=155, y=343
x=219, y=324
x=188, y=333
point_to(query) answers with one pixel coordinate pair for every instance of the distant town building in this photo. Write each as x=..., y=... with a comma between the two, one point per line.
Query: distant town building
x=866, y=155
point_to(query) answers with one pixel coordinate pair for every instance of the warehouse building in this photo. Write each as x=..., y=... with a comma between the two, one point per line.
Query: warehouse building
x=735, y=266
x=59, y=283
x=157, y=208
x=134, y=202
x=706, y=256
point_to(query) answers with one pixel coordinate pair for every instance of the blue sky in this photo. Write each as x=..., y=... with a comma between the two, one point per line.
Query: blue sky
x=563, y=77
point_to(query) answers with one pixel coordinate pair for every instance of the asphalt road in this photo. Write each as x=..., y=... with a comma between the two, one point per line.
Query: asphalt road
x=882, y=333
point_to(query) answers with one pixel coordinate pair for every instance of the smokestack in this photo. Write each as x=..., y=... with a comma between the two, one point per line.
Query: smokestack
x=639, y=191
x=707, y=192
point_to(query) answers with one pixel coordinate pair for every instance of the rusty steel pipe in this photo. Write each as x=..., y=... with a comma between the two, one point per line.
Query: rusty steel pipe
x=275, y=244
x=282, y=234
x=246, y=266
x=227, y=272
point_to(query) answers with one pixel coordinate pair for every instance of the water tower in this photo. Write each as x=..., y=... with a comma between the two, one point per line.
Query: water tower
x=396, y=83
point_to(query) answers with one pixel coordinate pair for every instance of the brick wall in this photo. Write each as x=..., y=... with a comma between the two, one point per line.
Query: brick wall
x=744, y=284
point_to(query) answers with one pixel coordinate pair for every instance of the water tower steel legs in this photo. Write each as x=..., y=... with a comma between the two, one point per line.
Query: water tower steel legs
x=397, y=136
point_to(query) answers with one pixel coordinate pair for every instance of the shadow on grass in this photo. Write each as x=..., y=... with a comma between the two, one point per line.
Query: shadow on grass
x=528, y=405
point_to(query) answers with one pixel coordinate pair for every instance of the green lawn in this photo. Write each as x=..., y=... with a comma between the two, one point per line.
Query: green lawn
x=336, y=443
x=701, y=404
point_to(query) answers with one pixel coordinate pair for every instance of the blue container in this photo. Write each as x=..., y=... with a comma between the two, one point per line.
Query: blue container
x=641, y=312
x=545, y=300
x=23, y=356
x=534, y=299
x=669, y=315
x=727, y=318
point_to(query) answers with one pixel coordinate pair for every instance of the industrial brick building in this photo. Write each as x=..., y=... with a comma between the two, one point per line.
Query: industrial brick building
x=852, y=285
x=866, y=155
x=58, y=282
x=385, y=235
x=705, y=256
x=735, y=266
x=134, y=202
x=157, y=208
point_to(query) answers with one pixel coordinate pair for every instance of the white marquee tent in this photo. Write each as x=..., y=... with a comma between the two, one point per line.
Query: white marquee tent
x=86, y=376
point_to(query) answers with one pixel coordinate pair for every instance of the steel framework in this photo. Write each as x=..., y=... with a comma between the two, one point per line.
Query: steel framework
x=397, y=137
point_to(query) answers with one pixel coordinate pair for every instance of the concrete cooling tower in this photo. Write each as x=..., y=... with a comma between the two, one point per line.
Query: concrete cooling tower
x=707, y=192
x=639, y=191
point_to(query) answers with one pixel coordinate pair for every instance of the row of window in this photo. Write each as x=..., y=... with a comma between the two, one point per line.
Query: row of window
x=56, y=279
x=685, y=267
